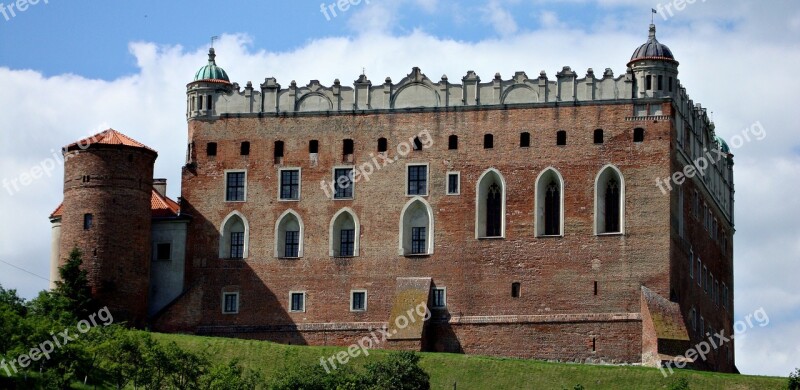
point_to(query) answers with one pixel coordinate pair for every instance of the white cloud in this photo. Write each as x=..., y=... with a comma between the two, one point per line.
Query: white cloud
x=741, y=73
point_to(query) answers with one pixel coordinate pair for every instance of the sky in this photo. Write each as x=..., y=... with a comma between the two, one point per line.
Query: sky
x=72, y=69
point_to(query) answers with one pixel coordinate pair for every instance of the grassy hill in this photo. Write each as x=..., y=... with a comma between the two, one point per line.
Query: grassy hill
x=472, y=372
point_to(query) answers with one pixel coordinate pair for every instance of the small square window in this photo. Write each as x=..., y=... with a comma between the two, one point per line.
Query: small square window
x=235, y=186
x=297, y=301
x=453, y=183
x=211, y=149
x=561, y=138
x=488, y=141
x=417, y=180
x=525, y=140
x=245, y=149
x=440, y=297
x=88, y=221
x=358, y=300
x=452, y=142
x=163, y=251
x=230, y=303
x=598, y=136
x=516, y=289
x=343, y=180
x=290, y=184
x=638, y=135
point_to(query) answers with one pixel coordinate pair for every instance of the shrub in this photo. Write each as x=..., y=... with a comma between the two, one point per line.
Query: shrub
x=794, y=380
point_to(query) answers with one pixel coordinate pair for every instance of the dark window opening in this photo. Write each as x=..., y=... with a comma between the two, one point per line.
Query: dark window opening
x=347, y=150
x=561, y=138
x=595, y=287
x=278, y=152
x=237, y=245
x=163, y=251
x=290, y=184
x=418, y=180
x=417, y=143
x=344, y=183
x=515, y=289
x=612, y=207
x=649, y=82
x=660, y=83
x=594, y=344
x=383, y=145
x=209, y=102
x=245, y=149
x=88, y=221
x=494, y=211
x=200, y=102
x=669, y=85
x=439, y=297
x=452, y=142
x=552, y=210
x=298, y=302
x=235, y=187
x=359, y=301
x=292, y=244
x=231, y=305
x=452, y=184
x=598, y=136
x=418, y=237
x=525, y=140
x=488, y=141
x=211, y=149
x=638, y=135
x=347, y=242
x=313, y=146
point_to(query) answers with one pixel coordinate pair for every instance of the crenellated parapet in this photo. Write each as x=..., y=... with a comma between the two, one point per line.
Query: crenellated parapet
x=414, y=91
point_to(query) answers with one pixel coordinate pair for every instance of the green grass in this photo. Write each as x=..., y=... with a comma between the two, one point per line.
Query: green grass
x=472, y=372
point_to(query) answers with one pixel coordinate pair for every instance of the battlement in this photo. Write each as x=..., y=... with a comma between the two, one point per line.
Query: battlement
x=415, y=90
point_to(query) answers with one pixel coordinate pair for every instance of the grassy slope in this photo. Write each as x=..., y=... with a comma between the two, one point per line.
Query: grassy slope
x=472, y=372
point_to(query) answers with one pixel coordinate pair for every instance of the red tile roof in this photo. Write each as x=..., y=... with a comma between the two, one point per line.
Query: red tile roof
x=160, y=207
x=108, y=137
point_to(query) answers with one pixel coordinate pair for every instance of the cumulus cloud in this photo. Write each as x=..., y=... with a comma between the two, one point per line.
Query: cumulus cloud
x=735, y=69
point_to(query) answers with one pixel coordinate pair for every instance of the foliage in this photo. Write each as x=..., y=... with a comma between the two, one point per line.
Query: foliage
x=399, y=371
x=679, y=384
x=74, y=285
x=794, y=380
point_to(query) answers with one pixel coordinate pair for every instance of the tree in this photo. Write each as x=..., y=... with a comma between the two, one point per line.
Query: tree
x=399, y=371
x=74, y=285
x=794, y=380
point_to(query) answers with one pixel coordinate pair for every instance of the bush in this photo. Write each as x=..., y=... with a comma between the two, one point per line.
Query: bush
x=794, y=380
x=679, y=384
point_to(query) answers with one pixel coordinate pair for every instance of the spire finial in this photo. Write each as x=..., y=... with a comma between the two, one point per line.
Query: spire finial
x=212, y=55
x=652, y=32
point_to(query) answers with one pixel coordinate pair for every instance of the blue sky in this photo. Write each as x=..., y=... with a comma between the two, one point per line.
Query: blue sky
x=71, y=69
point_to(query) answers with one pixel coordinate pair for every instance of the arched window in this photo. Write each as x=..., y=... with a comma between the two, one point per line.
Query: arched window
x=234, y=237
x=549, y=203
x=609, y=201
x=490, y=205
x=416, y=228
x=289, y=235
x=638, y=134
x=561, y=138
x=344, y=234
x=383, y=145
x=452, y=142
x=524, y=140
x=488, y=141
x=598, y=136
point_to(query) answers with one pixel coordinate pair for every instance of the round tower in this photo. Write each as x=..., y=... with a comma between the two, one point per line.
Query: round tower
x=108, y=184
x=654, y=68
x=209, y=81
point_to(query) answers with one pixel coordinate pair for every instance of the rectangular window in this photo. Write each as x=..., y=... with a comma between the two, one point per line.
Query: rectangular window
x=290, y=184
x=298, y=301
x=699, y=272
x=711, y=285
x=230, y=303
x=235, y=187
x=516, y=289
x=725, y=296
x=209, y=103
x=347, y=242
x=292, y=244
x=358, y=300
x=660, y=83
x=439, y=297
x=88, y=221
x=237, y=245
x=716, y=292
x=211, y=149
x=453, y=183
x=343, y=179
x=702, y=324
x=418, y=180
x=691, y=264
x=244, y=150
x=418, y=237
x=163, y=251
x=705, y=279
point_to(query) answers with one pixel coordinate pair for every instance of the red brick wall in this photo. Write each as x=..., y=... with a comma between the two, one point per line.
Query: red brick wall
x=557, y=274
x=116, y=250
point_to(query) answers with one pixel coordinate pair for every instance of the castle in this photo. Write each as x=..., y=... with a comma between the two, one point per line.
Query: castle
x=530, y=215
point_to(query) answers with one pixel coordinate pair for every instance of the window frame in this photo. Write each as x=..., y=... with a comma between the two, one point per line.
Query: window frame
x=427, y=179
x=458, y=183
x=352, y=300
x=244, y=190
x=88, y=221
x=224, y=302
x=299, y=184
x=444, y=298
x=291, y=301
x=352, y=169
